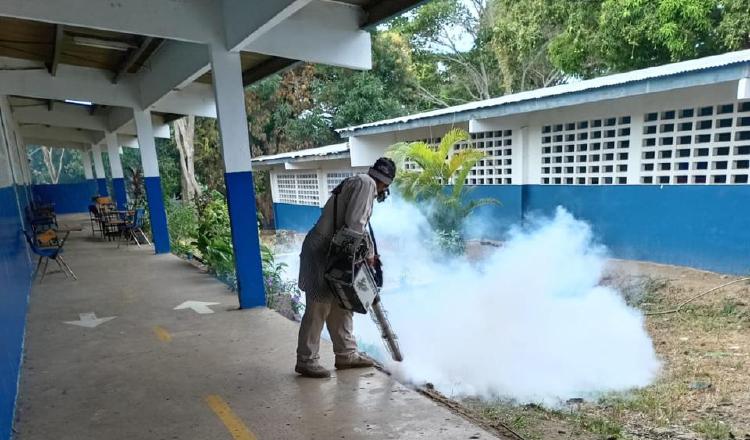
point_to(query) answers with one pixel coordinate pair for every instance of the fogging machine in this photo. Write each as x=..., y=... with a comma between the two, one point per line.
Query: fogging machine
x=357, y=285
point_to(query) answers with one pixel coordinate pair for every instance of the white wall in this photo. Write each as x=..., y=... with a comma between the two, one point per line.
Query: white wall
x=523, y=161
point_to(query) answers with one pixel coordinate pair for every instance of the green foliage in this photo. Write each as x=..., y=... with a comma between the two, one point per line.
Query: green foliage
x=279, y=293
x=169, y=167
x=214, y=236
x=182, y=220
x=446, y=208
x=388, y=90
x=71, y=168
x=603, y=36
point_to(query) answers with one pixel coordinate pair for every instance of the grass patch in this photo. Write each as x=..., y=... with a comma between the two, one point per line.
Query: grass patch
x=713, y=429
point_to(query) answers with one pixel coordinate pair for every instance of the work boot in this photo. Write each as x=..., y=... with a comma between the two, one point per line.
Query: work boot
x=354, y=360
x=312, y=369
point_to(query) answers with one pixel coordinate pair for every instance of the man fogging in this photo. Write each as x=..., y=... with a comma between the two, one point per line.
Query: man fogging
x=340, y=273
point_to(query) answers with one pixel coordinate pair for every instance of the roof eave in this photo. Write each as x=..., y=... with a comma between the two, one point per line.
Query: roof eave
x=665, y=83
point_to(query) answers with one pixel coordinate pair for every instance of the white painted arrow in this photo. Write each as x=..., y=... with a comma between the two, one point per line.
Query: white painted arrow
x=197, y=306
x=89, y=320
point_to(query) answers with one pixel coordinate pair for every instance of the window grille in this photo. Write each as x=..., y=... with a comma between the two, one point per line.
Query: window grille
x=594, y=151
x=697, y=145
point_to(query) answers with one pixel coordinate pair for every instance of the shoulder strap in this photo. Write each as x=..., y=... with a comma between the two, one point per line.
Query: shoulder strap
x=372, y=236
x=335, y=193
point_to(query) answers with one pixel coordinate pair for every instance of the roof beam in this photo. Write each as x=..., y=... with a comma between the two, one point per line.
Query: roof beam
x=245, y=21
x=64, y=115
x=184, y=20
x=267, y=68
x=71, y=82
x=58, y=50
x=58, y=134
x=385, y=9
x=321, y=32
x=55, y=143
x=131, y=58
x=173, y=66
x=196, y=99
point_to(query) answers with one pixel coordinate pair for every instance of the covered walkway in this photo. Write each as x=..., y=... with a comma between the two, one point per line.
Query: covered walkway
x=153, y=372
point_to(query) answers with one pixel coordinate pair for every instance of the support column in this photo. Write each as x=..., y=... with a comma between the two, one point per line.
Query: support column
x=152, y=180
x=87, y=171
x=101, y=177
x=115, y=166
x=238, y=176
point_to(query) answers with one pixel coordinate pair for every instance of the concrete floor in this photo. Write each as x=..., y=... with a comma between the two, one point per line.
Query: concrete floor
x=158, y=373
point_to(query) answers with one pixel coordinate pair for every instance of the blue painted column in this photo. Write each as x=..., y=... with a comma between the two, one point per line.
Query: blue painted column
x=101, y=177
x=118, y=180
x=230, y=107
x=154, y=196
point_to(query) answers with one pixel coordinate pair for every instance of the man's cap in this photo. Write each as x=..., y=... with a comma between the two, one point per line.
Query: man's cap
x=384, y=170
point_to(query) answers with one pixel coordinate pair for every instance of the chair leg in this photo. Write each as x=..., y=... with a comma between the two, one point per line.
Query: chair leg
x=135, y=238
x=36, y=271
x=44, y=271
x=65, y=263
x=145, y=237
x=62, y=269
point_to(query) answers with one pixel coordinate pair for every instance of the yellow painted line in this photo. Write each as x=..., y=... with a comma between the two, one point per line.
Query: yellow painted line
x=162, y=334
x=233, y=423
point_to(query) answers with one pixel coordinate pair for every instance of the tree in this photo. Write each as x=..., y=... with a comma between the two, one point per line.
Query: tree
x=183, y=130
x=521, y=35
x=448, y=72
x=446, y=210
x=606, y=36
x=388, y=90
x=52, y=169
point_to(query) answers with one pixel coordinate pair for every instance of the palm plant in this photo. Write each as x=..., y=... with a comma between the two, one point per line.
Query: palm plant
x=446, y=208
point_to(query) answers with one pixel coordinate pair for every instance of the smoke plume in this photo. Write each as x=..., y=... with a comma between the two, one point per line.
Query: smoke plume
x=530, y=321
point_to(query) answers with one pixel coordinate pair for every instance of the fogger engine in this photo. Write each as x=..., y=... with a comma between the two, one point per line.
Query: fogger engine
x=357, y=285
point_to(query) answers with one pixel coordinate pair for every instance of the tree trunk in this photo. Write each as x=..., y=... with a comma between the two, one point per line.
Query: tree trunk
x=184, y=133
x=52, y=170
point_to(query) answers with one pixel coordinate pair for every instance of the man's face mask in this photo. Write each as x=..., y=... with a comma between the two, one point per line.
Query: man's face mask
x=382, y=195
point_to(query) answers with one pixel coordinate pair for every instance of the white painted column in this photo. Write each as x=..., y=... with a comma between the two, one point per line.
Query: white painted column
x=115, y=166
x=235, y=142
x=96, y=151
x=101, y=176
x=113, y=150
x=87, y=171
x=152, y=181
x=230, y=109
x=146, y=143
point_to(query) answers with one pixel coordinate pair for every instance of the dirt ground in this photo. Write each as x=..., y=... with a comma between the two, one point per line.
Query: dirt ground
x=703, y=391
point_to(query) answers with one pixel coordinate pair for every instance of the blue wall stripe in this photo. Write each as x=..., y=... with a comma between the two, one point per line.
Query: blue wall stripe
x=121, y=196
x=157, y=214
x=244, y=221
x=15, y=280
x=67, y=197
x=298, y=218
x=102, y=186
x=702, y=226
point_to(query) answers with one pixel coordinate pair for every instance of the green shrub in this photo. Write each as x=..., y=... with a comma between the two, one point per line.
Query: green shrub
x=182, y=219
x=214, y=237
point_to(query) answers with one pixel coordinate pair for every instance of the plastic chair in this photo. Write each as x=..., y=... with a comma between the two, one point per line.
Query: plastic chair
x=112, y=225
x=134, y=228
x=96, y=220
x=47, y=253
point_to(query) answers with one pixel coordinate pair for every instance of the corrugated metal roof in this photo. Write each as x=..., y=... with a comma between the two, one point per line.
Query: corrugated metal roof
x=310, y=152
x=571, y=88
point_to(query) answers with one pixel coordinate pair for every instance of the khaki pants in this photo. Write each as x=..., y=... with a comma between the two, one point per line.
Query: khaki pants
x=339, y=322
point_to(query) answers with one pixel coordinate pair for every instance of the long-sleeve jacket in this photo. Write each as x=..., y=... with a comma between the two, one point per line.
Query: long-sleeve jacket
x=354, y=207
